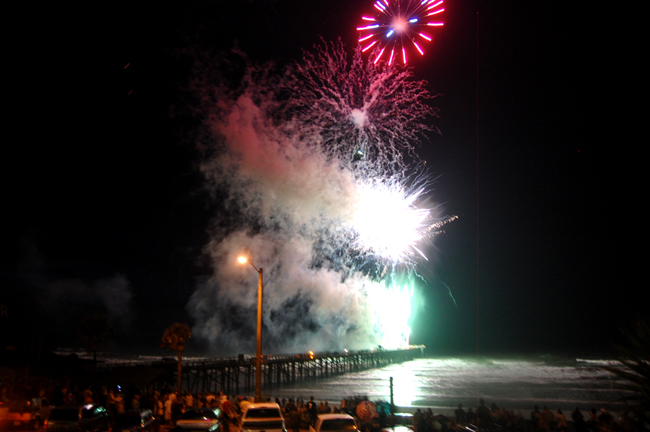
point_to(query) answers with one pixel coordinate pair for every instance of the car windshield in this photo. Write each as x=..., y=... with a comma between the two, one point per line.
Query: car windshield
x=199, y=415
x=262, y=413
x=62, y=414
x=90, y=412
x=260, y=425
x=128, y=419
x=338, y=424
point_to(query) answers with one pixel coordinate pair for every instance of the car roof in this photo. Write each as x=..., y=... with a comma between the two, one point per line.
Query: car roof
x=335, y=416
x=263, y=405
x=215, y=411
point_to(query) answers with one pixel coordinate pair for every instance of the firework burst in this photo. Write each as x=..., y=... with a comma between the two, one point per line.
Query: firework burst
x=359, y=110
x=390, y=224
x=397, y=25
x=384, y=206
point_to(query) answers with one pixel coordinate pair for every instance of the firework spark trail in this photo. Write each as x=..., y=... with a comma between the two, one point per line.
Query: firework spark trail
x=283, y=163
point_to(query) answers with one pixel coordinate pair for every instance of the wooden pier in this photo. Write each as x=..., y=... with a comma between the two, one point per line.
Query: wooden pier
x=236, y=375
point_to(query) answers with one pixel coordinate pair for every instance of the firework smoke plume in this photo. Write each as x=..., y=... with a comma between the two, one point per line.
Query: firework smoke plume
x=293, y=157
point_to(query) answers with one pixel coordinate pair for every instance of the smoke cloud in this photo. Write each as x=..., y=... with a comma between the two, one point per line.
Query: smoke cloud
x=282, y=161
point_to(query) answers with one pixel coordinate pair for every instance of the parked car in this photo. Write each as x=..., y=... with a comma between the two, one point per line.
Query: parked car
x=78, y=418
x=136, y=421
x=200, y=419
x=334, y=423
x=26, y=413
x=263, y=417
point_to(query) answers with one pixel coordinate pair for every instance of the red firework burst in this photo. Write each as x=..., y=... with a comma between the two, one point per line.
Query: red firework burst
x=398, y=24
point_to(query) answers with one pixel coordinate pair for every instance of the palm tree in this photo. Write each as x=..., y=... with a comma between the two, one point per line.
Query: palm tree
x=634, y=371
x=176, y=338
x=93, y=332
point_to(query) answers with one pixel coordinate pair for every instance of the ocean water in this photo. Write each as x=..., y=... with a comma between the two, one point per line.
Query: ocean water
x=443, y=383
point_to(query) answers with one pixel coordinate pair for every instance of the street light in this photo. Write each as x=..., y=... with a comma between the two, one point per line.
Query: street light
x=258, y=358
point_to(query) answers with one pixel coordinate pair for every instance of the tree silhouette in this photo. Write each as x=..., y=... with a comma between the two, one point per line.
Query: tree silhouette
x=176, y=337
x=633, y=371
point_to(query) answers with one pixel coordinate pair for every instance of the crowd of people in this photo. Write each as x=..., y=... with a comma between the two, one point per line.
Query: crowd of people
x=540, y=421
x=168, y=405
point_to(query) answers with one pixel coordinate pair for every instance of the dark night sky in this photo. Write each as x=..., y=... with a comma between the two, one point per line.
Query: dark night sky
x=101, y=185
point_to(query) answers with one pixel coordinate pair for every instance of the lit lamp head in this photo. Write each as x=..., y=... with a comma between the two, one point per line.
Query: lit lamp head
x=243, y=260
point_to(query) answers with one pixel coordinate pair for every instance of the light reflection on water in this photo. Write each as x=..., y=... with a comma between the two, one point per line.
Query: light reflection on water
x=444, y=383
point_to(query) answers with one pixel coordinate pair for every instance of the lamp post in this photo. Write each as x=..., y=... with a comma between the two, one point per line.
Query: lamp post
x=258, y=357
